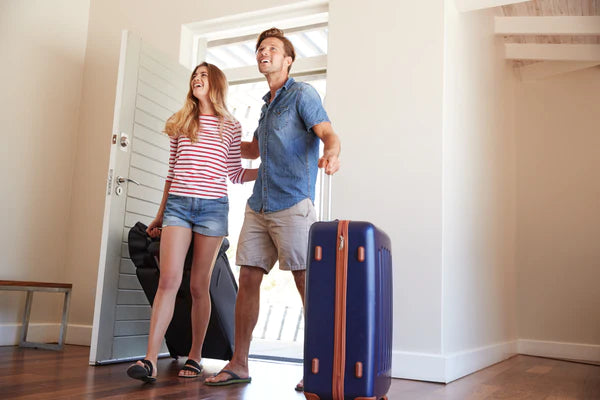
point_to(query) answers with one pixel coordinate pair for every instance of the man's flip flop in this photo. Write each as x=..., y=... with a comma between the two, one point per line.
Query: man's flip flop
x=192, y=366
x=299, y=387
x=235, y=378
x=144, y=373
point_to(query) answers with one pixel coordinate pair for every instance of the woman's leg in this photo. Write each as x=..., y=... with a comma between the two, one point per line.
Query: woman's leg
x=174, y=244
x=206, y=249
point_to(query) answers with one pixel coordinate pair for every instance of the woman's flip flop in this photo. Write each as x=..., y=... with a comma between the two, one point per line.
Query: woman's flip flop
x=192, y=366
x=143, y=373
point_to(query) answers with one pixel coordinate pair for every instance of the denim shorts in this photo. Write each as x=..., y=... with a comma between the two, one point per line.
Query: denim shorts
x=204, y=216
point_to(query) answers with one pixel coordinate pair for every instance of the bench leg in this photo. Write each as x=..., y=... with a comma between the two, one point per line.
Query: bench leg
x=26, y=315
x=63, y=323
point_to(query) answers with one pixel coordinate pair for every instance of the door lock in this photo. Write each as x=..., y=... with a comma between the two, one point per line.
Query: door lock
x=124, y=141
x=120, y=180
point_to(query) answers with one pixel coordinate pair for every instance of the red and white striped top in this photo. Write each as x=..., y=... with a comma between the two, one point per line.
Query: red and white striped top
x=200, y=169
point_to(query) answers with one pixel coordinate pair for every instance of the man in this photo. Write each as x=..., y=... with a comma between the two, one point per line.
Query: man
x=280, y=211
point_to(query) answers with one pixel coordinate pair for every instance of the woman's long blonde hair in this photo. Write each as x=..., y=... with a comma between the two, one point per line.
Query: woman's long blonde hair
x=186, y=122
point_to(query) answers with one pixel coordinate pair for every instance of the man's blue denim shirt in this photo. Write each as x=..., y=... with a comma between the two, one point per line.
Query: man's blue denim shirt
x=289, y=149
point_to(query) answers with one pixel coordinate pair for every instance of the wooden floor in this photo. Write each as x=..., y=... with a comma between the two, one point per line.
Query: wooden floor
x=44, y=374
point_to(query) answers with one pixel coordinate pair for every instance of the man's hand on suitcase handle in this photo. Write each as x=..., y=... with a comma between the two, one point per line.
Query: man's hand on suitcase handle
x=330, y=162
x=331, y=147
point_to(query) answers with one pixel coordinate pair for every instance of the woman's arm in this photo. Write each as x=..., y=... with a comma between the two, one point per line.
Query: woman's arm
x=154, y=228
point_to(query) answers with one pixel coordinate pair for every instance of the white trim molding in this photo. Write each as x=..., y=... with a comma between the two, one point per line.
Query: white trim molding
x=547, y=69
x=563, y=350
x=582, y=25
x=552, y=52
x=472, y=5
x=302, y=66
x=448, y=368
x=418, y=366
x=466, y=362
x=308, y=12
x=80, y=335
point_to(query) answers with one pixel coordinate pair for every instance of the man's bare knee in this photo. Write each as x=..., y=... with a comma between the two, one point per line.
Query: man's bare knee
x=251, y=277
x=299, y=277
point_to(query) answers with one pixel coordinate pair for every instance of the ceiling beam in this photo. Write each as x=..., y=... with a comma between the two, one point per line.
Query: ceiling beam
x=547, y=69
x=552, y=52
x=471, y=5
x=588, y=25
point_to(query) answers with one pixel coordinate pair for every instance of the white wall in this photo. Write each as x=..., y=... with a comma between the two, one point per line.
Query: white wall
x=384, y=96
x=43, y=46
x=558, y=246
x=479, y=316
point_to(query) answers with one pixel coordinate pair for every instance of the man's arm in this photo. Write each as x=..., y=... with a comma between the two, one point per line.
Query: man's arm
x=250, y=150
x=331, y=150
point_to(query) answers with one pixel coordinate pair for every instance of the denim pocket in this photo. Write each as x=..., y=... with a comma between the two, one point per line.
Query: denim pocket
x=223, y=200
x=281, y=117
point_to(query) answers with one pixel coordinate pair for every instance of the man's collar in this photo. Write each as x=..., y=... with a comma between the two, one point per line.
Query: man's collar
x=290, y=81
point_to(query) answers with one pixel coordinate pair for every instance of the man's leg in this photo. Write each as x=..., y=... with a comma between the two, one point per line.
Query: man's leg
x=300, y=279
x=246, y=316
x=290, y=233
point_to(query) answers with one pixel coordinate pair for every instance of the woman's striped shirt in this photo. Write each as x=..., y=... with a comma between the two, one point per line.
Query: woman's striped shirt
x=201, y=169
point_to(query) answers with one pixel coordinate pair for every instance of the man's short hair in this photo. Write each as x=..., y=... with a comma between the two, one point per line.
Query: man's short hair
x=288, y=47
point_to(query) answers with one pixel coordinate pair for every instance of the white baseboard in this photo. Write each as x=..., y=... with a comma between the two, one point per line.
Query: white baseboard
x=568, y=351
x=80, y=335
x=445, y=369
x=466, y=362
x=418, y=366
x=46, y=333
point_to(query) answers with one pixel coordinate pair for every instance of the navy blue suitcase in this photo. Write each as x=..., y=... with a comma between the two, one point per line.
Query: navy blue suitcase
x=348, y=329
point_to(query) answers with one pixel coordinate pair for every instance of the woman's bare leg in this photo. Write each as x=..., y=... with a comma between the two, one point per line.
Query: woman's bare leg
x=206, y=250
x=174, y=244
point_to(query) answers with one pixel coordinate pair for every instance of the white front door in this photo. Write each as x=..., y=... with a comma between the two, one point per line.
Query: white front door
x=150, y=88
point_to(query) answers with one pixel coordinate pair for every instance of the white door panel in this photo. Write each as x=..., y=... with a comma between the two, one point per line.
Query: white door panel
x=150, y=88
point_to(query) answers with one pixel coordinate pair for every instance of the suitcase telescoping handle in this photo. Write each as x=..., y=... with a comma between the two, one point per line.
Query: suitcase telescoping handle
x=323, y=216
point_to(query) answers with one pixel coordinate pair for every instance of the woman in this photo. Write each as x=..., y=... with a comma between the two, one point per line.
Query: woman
x=205, y=149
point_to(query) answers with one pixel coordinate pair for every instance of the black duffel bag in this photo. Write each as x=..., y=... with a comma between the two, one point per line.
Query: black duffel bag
x=218, y=343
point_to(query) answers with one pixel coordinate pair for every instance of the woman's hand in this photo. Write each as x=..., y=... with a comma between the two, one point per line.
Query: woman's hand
x=154, y=228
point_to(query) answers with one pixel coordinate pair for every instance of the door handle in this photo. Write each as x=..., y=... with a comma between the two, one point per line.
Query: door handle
x=120, y=180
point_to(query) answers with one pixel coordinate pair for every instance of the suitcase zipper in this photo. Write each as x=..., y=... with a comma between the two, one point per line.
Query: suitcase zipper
x=339, y=351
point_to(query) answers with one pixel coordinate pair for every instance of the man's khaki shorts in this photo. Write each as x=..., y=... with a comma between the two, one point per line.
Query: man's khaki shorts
x=281, y=235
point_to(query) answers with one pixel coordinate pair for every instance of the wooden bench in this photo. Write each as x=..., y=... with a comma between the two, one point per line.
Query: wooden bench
x=31, y=287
